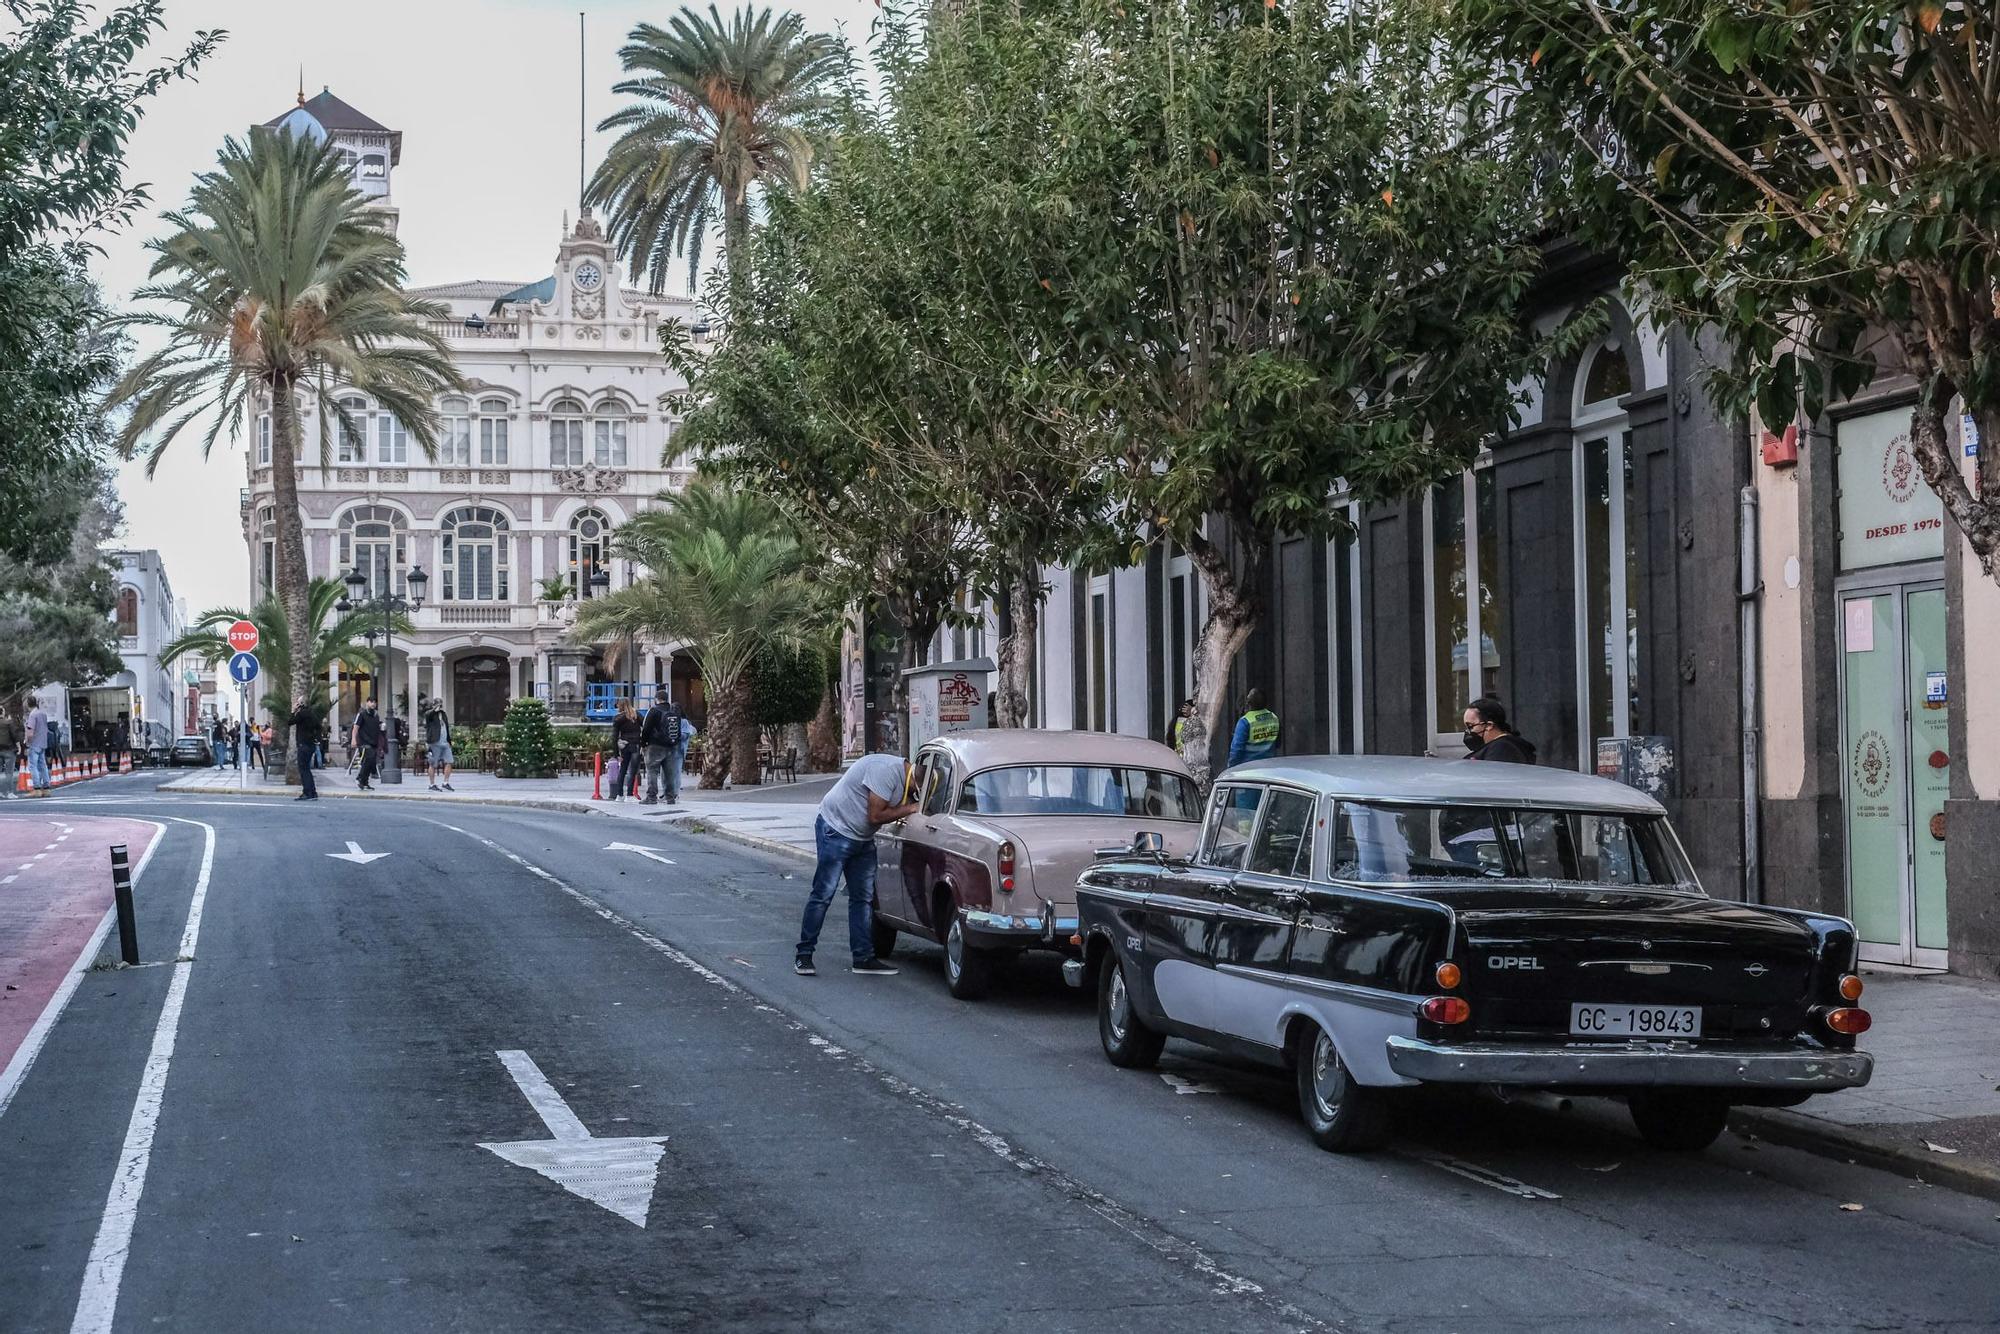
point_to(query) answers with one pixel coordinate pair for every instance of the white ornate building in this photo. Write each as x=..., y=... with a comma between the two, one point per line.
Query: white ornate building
x=558, y=439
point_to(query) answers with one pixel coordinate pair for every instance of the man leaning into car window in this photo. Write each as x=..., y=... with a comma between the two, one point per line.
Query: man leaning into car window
x=872, y=793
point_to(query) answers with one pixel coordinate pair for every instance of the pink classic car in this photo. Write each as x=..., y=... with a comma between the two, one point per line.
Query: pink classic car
x=987, y=866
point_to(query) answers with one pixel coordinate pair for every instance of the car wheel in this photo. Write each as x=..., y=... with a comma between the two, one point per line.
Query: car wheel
x=968, y=970
x=1341, y=1115
x=1127, y=1041
x=1679, y=1120
x=884, y=939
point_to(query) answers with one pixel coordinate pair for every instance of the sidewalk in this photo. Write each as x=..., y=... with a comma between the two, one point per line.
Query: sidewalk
x=1936, y=1040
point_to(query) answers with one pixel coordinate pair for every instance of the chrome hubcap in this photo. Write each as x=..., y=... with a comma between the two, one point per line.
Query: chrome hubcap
x=1327, y=1077
x=954, y=948
x=1120, y=1004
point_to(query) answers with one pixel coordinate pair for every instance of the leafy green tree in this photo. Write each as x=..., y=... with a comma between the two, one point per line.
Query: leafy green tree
x=336, y=637
x=278, y=282
x=1817, y=183
x=527, y=740
x=787, y=687
x=724, y=108
x=73, y=89
x=1285, y=252
x=727, y=576
x=55, y=616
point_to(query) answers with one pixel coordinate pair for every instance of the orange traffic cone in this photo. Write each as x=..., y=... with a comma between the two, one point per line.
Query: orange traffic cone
x=125, y=763
x=21, y=779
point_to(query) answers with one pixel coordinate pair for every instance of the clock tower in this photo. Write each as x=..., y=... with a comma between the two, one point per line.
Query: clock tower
x=586, y=276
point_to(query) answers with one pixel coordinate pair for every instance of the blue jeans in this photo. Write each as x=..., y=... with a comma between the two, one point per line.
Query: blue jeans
x=853, y=859
x=38, y=767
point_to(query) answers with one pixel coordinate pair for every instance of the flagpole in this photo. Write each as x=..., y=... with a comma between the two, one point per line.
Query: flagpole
x=581, y=119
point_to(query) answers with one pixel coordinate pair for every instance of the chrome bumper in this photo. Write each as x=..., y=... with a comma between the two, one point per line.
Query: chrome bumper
x=1586, y=1065
x=1019, y=928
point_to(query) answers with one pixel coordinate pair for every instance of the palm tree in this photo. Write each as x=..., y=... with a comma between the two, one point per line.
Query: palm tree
x=336, y=636
x=729, y=578
x=277, y=280
x=724, y=107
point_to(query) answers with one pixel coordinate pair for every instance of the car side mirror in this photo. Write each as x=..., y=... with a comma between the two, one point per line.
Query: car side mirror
x=1149, y=843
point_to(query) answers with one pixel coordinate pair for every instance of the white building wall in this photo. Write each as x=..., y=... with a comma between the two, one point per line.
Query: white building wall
x=1058, y=649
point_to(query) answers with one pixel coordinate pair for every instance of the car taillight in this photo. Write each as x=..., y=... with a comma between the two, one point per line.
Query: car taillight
x=1007, y=866
x=1848, y=1021
x=1850, y=987
x=1446, y=1010
x=1448, y=975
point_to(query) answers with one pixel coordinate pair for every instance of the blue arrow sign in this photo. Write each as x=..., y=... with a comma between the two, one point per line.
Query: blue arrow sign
x=243, y=668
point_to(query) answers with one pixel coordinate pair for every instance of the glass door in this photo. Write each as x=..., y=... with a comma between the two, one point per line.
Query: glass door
x=1895, y=724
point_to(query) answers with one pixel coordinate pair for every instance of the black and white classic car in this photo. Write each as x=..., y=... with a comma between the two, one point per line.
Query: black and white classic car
x=1376, y=922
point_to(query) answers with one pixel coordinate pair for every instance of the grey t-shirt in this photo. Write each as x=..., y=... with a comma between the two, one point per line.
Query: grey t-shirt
x=38, y=730
x=845, y=806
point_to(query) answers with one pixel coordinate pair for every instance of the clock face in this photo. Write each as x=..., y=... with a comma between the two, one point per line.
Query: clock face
x=589, y=277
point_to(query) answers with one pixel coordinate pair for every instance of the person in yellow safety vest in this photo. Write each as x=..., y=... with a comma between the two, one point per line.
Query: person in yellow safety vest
x=1256, y=733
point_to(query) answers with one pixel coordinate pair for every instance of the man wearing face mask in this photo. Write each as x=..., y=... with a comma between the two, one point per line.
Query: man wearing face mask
x=1488, y=737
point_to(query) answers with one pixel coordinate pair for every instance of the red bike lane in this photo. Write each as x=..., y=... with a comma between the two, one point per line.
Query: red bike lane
x=55, y=885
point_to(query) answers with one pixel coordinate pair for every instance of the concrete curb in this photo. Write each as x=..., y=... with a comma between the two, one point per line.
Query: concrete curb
x=697, y=825
x=1830, y=1139
x=469, y=799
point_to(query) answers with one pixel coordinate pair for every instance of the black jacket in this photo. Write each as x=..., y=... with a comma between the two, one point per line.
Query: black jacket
x=436, y=727
x=304, y=723
x=368, y=728
x=626, y=731
x=1509, y=748
x=662, y=726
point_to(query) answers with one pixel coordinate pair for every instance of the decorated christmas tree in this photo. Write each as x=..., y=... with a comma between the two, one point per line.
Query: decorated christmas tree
x=528, y=741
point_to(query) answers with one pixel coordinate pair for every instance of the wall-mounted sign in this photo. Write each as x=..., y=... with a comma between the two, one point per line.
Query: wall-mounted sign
x=1888, y=514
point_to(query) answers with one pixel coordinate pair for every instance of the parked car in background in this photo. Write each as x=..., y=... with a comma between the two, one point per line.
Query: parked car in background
x=191, y=750
x=1379, y=922
x=1009, y=818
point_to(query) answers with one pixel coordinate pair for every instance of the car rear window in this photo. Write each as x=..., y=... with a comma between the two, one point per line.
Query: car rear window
x=1080, y=789
x=1405, y=844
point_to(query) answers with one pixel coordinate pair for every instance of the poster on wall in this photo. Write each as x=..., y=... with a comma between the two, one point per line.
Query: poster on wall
x=1888, y=514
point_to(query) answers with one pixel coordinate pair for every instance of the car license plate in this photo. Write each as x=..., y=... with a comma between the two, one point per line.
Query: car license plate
x=1635, y=1021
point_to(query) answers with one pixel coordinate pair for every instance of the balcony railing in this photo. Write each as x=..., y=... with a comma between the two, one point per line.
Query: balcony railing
x=600, y=698
x=479, y=613
x=474, y=328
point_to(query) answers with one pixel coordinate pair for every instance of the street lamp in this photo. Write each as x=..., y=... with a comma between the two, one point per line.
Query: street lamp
x=388, y=604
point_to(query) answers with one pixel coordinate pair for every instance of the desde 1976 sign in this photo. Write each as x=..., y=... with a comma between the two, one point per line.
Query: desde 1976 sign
x=1887, y=514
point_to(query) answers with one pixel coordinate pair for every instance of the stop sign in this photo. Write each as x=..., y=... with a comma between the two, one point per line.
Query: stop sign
x=243, y=637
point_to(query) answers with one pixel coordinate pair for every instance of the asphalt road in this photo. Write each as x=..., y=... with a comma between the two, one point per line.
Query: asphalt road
x=305, y=1151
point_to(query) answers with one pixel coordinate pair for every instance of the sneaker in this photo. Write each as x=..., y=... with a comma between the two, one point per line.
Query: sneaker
x=874, y=968
x=449, y=788
x=804, y=968
x=303, y=797
x=434, y=787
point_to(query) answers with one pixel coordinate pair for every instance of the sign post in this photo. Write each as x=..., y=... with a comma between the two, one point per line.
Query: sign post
x=243, y=669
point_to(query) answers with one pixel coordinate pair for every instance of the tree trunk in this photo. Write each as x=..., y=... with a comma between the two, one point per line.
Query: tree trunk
x=1021, y=615
x=1977, y=516
x=920, y=626
x=724, y=709
x=823, y=740
x=290, y=571
x=1235, y=606
x=743, y=737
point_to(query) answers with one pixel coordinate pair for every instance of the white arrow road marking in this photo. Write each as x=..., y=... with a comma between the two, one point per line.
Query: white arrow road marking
x=617, y=1173
x=652, y=854
x=1180, y=1085
x=356, y=855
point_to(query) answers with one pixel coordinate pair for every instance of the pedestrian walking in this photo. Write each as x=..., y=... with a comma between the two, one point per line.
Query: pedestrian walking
x=365, y=740
x=1489, y=737
x=254, y=737
x=304, y=723
x=869, y=795
x=627, y=749
x=664, y=734
x=437, y=745
x=218, y=743
x=1256, y=735
x=38, y=749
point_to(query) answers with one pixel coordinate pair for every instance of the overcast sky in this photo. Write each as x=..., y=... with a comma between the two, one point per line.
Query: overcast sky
x=485, y=93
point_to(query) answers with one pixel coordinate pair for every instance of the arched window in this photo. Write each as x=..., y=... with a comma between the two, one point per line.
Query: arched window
x=1609, y=605
x=1609, y=376
x=473, y=555
x=352, y=426
x=371, y=538
x=267, y=548
x=589, y=550
x=566, y=434
x=454, y=431
x=493, y=432
x=128, y=612
x=609, y=433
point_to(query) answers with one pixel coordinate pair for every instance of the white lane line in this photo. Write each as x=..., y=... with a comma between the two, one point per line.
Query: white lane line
x=31, y=1045
x=97, y=1304
x=1150, y=1234
x=11, y=879
x=1485, y=1176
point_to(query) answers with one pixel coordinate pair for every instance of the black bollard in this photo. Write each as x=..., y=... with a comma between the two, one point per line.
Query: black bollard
x=121, y=890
